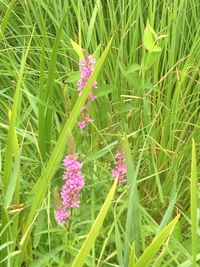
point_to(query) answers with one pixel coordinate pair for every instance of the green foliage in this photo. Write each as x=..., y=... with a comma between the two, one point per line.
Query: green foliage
x=147, y=68
x=92, y=235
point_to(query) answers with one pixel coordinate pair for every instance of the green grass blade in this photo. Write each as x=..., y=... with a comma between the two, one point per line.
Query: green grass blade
x=158, y=241
x=6, y=18
x=50, y=88
x=100, y=153
x=168, y=214
x=92, y=23
x=193, y=201
x=13, y=180
x=5, y=245
x=10, y=146
x=78, y=49
x=158, y=182
x=119, y=244
x=41, y=105
x=132, y=256
x=133, y=217
x=90, y=240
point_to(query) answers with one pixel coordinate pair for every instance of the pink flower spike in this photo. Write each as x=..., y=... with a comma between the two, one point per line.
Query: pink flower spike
x=82, y=124
x=70, y=193
x=61, y=216
x=94, y=85
x=92, y=96
x=86, y=68
x=89, y=120
x=119, y=171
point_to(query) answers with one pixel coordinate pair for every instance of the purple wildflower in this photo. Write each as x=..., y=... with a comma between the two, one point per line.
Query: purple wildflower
x=74, y=182
x=119, y=171
x=61, y=215
x=86, y=68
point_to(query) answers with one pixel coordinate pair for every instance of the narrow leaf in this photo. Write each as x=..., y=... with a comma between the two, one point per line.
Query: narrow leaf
x=193, y=201
x=77, y=48
x=50, y=86
x=6, y=18
x=133, y=216
x=132, y=256
x=158, y=241
x=90, y=240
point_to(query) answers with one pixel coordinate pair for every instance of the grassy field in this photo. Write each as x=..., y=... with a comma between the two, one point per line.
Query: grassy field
x=148, y=102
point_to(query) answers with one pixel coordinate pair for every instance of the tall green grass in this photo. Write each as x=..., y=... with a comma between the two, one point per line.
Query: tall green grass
x=147, y=68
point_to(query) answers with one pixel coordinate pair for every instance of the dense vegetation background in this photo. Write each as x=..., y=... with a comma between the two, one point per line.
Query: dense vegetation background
x=148, y=100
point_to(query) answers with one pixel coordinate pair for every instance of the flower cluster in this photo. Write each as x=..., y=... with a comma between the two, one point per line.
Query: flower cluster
x=119, y=172
x=69, y=197
x=61, y=215
x=86, y=68
x=70, y=193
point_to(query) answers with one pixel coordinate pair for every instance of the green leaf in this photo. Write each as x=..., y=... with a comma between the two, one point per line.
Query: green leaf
x=133, y=217
x=73, y=76
x=6, y=18
x=92, y=23
x=132, y=256
x=149, y=40
x=123, y=69
x=168, y=214
x=193, y=201
x=13, y=180
x=158, y=241
x=96, y=53
x=11, y=255
x=42, y=104
x=11, y=145
x=134, y=67
x=38, y=229
x=104, y=89
x=100, y=153
x=150, y=59
x=77, y=48
x=134, y=79
x=50, y=88
x=90, y=240
x=119, y=245
x=5, y=245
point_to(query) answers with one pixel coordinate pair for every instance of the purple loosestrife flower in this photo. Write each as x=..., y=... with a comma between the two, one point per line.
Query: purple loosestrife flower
x=61, y=215
x=86, y=68
x=73, y=183
x=119, y=172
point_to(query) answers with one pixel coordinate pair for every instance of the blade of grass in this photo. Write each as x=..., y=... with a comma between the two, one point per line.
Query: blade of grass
x=11, y=142
x=158, y=241
x=10, y=146
x=160, y=191
x=87, y=245
x=169, y=211
x=50, y=90
x=132, y=256
x=78, y=49
x=193, y=201
x=133, y=217
x=91, y=25
x=133, y=206
x=13, y=180
x=119, y=244
x=6, y=18
x=41, y=104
